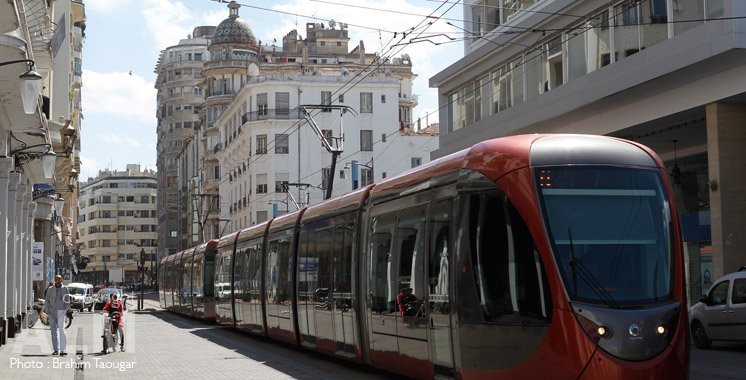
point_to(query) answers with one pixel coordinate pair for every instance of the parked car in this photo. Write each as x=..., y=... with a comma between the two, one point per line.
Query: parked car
x=81, y=296
x=103, y=295
x=721, y=314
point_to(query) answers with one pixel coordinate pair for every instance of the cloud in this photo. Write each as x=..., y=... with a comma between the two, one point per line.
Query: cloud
x=170, y=21
x=104, y=6
x=116, y=139
x=88, y=167
x=119, y=94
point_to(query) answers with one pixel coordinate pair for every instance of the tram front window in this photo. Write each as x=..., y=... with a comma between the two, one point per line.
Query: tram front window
x=610, y=230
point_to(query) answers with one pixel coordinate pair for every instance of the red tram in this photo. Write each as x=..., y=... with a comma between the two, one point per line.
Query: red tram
x=536, y=256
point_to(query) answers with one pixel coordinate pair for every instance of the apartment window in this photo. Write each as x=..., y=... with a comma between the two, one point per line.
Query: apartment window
x=326, y=100
x=383, y=137
x=366, y=102
x=261, y=183
x=282, y=104
x=281, y=182
x=216, y=172
x=341, y=98
x=261, y=216
x=261, y=104
x=341, y=174
x=261, y=144
x=416, y=161
x=383, y=98
x=106, y=243
x=366, y=176
x=366, y=140
x=282, y=144
x=327, y=133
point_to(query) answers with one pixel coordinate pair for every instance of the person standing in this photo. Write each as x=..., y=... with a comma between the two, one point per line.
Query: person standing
x=56, y=303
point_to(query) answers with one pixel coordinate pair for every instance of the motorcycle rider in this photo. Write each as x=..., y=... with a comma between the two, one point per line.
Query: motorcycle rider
x=116, y=305
x=56, y=303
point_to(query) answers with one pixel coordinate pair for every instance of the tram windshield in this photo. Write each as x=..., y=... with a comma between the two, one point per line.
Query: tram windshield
x=610, y=229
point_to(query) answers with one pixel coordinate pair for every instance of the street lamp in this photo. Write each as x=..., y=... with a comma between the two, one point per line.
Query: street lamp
x=30, y=83
x=141, y=269
x=27, y=153
x=59, y=204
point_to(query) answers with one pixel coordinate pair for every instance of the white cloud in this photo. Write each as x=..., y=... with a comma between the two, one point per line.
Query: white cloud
x=105, y=5
x=119, y=94
x=116, y=139
x=88, y=167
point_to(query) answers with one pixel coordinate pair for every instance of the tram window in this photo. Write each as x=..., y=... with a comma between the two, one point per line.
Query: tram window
x=502, y=273
x=382, y=299
x=410, y=256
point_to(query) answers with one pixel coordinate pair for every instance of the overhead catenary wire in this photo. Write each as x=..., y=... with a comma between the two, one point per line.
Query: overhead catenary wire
x=378, y=62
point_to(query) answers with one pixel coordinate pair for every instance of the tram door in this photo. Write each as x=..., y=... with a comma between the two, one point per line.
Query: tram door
x=399, y=290
x=438, y=264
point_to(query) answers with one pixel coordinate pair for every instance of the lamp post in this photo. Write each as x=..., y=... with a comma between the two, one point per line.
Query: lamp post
x=59, y=205
x=30, y=82
x=141, y=269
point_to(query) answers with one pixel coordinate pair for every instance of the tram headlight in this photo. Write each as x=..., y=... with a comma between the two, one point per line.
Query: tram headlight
x=604, y=332
x=594, y=331
x=661, y=330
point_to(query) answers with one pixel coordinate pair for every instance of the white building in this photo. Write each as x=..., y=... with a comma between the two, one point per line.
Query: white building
x=179, y=70
x=257, y=140
x=117, y=224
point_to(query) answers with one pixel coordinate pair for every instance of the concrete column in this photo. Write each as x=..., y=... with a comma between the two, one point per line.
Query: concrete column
x=14, y=179
x=21, y=235
x=25, y=254
x=29, y=287
x=6, y=163
x=726, y=140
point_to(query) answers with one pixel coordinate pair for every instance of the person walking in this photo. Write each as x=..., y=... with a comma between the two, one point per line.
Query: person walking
x=56, y=303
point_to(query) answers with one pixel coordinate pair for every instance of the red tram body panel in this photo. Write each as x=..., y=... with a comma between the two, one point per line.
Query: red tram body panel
x=528, y=256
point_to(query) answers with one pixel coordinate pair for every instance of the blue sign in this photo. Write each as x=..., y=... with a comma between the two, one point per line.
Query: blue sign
x=43, y=189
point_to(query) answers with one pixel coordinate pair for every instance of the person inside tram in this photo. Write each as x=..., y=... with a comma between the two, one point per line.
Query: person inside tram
x=408, y=303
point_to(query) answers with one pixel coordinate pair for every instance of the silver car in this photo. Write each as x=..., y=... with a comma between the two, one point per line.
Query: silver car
x=721, y=314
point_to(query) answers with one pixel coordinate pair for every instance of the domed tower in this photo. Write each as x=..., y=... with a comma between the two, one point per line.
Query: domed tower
x=233, y=49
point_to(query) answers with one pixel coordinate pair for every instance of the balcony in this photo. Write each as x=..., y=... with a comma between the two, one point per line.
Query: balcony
x=273, y=114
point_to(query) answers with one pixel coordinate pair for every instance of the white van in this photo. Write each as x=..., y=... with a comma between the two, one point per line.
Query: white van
x=81, y=296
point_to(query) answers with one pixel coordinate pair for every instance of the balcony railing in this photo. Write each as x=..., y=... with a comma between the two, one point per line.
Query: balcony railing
x=271, y=114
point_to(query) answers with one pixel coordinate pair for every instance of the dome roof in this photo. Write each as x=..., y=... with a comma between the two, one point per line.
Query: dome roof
x=233, y=30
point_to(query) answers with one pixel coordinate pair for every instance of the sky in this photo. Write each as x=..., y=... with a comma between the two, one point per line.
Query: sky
x=123, y=39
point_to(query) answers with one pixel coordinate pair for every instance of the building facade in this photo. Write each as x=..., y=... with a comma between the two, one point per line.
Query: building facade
x=117, y=225
x=40, y=47
x=259, y=156
x=180, y=99
x=669, y=74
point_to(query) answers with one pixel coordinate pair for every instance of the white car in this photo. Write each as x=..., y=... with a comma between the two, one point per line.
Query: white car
x=721, y=314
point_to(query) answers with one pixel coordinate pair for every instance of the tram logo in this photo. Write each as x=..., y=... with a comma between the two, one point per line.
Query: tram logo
x=634, y=330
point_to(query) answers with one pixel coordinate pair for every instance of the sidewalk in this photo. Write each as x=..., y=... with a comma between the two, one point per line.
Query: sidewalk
x=161, y=345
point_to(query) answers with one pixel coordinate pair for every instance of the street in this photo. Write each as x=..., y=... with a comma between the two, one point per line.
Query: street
x=162, y=345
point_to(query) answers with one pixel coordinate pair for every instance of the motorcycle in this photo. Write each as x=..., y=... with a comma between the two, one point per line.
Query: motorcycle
x=41, y=315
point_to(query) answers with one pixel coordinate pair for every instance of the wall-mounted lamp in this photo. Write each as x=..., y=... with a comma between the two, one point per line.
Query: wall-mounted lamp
x=26, y=154
x=30, y=82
